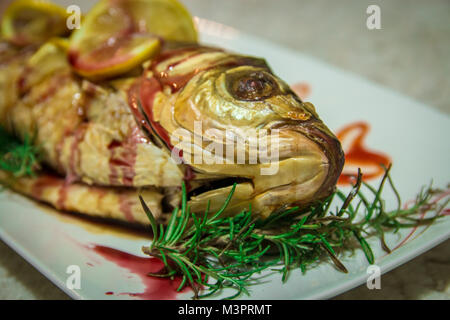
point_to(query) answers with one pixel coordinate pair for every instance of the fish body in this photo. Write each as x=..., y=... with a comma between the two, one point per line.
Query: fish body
x=243, y=124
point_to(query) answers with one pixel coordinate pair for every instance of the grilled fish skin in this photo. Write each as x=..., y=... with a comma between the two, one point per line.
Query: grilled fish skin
x=122, y=133
x=119, y=204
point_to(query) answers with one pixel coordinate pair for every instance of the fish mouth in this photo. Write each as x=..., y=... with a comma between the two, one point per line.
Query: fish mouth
x=331, y=147
x=307, y=172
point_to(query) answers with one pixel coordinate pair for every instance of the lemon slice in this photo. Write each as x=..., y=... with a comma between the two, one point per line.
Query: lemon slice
x=117, y=36
x=62, y=43
x=33, y=22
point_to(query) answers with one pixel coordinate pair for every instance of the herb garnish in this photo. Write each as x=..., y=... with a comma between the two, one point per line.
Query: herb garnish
x=18, y=157
x=212, y=252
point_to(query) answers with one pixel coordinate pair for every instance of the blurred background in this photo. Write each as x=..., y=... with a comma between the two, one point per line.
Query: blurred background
x=410, y=54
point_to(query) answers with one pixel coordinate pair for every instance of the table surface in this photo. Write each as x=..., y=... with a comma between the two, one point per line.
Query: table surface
x=410, y=54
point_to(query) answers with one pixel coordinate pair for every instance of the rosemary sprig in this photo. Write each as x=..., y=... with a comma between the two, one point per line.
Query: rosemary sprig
x=18, y=157
x=213, y=253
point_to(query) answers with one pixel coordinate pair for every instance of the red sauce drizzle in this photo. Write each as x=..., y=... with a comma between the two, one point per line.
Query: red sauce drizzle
x=125, y=204
x=114, y=163
x=48, y=181
x=22, y=81
x=147, y=92
x=62, y=196
x=75, y=153
x=78, y=133
x=358, y=155
x=146, y=89
x=44, y=182
x=155, y=288
x=126, y=159
x=177, y=82
x=58, y=150
x=56, y=83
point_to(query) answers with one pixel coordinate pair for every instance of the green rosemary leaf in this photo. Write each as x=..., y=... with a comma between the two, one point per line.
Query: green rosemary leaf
x=150, y=217
x=352, y=194
x=161, y=233
x=397, y=194
x=182, y=225
x=300, y=224
x=224, y=206
x=327, y=244
x=277, y=216
x=286, y=256
x=366, y=247
x=333, y=257
x=18, y=157
x=231, y=229
x=172, y=224
x=377, y=195
x=327, y=205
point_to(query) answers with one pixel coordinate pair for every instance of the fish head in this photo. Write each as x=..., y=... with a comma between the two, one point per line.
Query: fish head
x=229, y=118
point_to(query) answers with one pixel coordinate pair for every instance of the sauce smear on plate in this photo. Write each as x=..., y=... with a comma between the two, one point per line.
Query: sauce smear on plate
x=155, y=288
x=352, y=137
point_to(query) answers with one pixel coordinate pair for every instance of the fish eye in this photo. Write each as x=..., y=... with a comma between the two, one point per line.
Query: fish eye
x=253, y=86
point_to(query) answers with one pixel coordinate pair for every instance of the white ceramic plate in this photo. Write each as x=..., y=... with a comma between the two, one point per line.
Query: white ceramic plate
x=412, y=134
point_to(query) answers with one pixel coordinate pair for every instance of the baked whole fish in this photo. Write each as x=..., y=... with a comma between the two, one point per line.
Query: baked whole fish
x=192, y=113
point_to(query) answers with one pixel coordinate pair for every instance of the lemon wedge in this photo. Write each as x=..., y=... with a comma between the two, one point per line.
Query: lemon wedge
x=117, y=36
x=33, y=22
